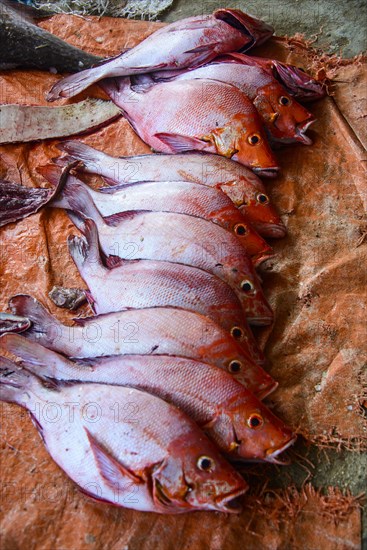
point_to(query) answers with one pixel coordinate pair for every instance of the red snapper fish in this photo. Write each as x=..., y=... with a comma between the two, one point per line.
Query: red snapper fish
x=285, y=119
x=143, y=454
x=240, y=424
x=241, y=185
x=148, y=283
x=185, y=43
x=182, y=197
x=177, y=238
x=198, y=115
x=155, y=331
x=298, y=83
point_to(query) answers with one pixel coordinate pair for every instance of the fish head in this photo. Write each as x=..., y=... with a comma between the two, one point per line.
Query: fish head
x=194, y=476
x=255, y=30
x=256, y=432
x=253, y=201
x=253, y=243
x=250, y=145
x=298, y=83
x=285, y=119
x=247, y=286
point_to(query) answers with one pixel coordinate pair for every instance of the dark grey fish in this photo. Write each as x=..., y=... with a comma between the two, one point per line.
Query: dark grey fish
x=24, y=44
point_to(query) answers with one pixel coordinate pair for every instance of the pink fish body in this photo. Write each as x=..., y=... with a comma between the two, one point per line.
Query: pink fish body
x=182, y=197
x=140, y=453
x=198, y=115
x=148, y=283
x=185, y=43
x=229, y=414
x=284, y=118
x=178, y=238
x=158, y=331
x=241, y=185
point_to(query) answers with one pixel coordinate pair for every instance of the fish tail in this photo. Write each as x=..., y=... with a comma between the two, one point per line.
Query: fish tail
x=92, y=158
x=44, y=325
x=14, y=381
x=34, y=356
x=85, y=251
x=74, y=84
x=80, y=201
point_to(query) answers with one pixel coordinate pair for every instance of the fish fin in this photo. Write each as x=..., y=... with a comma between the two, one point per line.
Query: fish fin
x=113, y=471
x=91, y=301
x=109, y=182
x=50, y=172
x=114, y=261
x=80, y=201
x=180, y=144
x=75, y=83
x=34, y=355
x=116, y=219
x=14, y=381
x=80, y=151
x=42, y=320
x=77, y=219
x=86, y=250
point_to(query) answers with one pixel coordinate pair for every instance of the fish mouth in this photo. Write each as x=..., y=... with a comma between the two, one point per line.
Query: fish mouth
x=301, y=129
x=274, y=231
x=270, y=172
x=261, y=320
x=231, y=503
x=267, y=389
x=272, y=456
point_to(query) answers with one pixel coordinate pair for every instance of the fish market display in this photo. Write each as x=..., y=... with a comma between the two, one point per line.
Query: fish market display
x=182, y=197
x=284, y=118
x=241, y=185
x=152, y=458
x=229, y=414
x=142, y=235
x=186, y=43
x=21, y=123
x=169, y=250
x=149, y=283
x=23, y=44
x=199, y=115
x=159, y=331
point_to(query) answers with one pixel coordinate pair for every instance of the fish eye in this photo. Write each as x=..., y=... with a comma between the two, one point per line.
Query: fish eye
x=255, y=421
x=235, y=366
x=247, y=286
x=237, y=332
x=262, y=198
x=284, y=100
x=205, y=463
x=254, y=139
x=240, y=229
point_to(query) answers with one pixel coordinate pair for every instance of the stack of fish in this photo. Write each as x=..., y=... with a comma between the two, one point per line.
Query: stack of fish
x=168, y=252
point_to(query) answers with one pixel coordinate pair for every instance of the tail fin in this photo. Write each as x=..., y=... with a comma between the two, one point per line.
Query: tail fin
x=45, y=327
x=14, y=381
x=85, y=252
x=34, y=356
x=91, y=158
x=74, y=84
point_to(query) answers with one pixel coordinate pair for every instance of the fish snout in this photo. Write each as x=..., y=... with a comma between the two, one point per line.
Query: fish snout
x=272, y=454
x=270, y=172
x=230, y=502
x=302, y=128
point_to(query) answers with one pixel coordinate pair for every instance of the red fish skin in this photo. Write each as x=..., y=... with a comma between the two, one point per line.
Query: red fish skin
x=184, y=43
x=149, y=283
x=199, y=114
x=147, y=456
x=298, y=83
x=177, y=238
x=156, y=331
x=222, y=407
x=284, y=122
x=183, y=197
x=241, y=185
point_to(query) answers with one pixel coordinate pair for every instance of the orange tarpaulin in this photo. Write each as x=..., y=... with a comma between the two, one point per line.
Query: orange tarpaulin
x=316, y=284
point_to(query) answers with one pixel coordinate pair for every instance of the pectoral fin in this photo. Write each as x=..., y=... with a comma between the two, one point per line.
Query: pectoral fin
x=112, y=470
x=181, y=144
